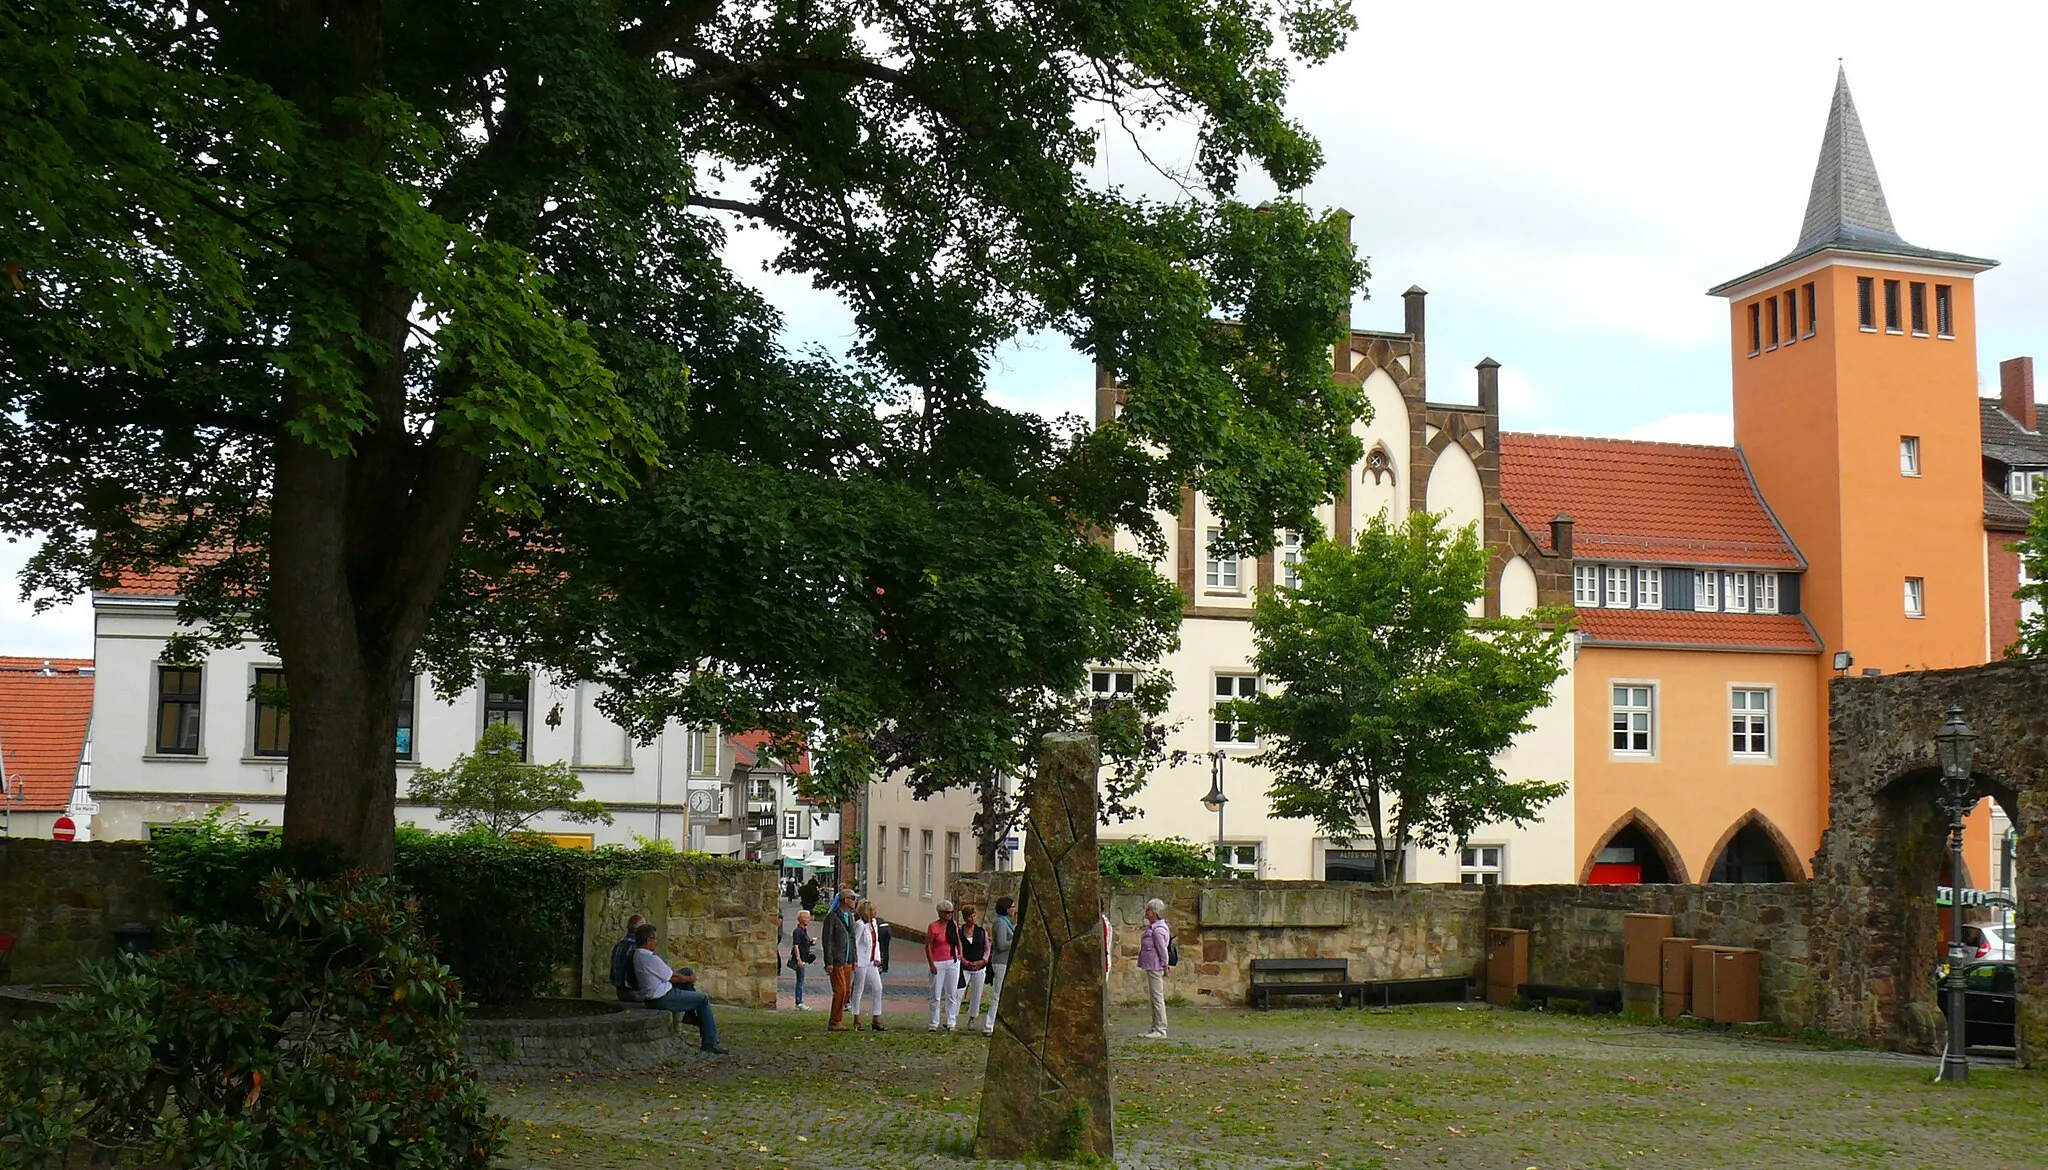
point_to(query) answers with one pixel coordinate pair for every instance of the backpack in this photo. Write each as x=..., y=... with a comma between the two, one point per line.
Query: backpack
x=1172, y=952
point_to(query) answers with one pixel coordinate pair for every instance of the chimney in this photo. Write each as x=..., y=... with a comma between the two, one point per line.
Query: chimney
x=1489, y=392
x=1561, y=535
x=1411, y=304
x=2016, y=390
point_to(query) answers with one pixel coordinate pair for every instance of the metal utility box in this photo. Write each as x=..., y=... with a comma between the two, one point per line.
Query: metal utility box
x=1507, y=963
x=1727, y=984
x=1642, y=947
x=1675, y=975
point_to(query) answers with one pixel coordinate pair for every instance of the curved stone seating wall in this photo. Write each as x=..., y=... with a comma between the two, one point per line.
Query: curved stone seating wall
x=22, y=1002
x=618, y=1036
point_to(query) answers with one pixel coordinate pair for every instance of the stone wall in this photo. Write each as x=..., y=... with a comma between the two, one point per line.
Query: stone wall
x=626, y=1037
x=62, y=900
x=717, y=918
x=1413, y=931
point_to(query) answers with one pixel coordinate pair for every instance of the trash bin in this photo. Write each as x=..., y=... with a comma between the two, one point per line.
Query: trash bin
x=135, y=938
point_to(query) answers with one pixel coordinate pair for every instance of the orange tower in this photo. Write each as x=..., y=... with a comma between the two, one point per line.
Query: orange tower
x=1856, y=405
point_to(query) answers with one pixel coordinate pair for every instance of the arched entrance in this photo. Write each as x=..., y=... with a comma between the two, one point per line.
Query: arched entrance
x=1633, y=851
x=1753, y=850
x=1885, y=852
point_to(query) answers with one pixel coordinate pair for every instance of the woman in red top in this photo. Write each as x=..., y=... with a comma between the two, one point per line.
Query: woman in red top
x=942, y=955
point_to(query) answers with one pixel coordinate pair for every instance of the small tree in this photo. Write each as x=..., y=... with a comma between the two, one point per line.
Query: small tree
x=495, y=789
x=1386, y=702
x=2033, y=639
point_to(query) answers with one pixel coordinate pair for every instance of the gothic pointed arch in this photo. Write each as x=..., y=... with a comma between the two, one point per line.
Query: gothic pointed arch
x=1638, y=831
x=1379, y=464
x=1753, y=843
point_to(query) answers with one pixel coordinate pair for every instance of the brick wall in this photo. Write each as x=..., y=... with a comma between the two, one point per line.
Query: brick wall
x=717, y=918
x=2002, y=566
x=62, y=900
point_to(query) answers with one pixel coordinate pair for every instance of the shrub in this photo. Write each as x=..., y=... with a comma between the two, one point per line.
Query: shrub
x=1165, y=857
x=324, y=1037
x=502, y=914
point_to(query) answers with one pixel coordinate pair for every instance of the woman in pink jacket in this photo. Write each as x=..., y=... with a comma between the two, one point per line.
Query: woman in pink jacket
x=1152, y=961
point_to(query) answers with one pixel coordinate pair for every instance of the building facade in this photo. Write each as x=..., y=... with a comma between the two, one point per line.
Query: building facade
x=173, y=740
x=45, y=753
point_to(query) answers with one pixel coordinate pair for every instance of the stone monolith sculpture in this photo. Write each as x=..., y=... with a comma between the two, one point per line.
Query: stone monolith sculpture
x=1046, y=1093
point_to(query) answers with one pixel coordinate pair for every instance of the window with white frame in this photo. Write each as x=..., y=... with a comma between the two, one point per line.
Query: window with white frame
x=1909, y=455
x=796, y=824
x=1479, y=865
x=1240, y=859
x=952, y=855
x=903, y=860
x=1290, y=559
x=1738, y=593
x=1619, y=577
x=1218, y=572
x=1916, y=597
x=1585, y=585
x=1750, y=715
x=1635, y=718
x=1230, y=732
x=1706, y=590
x=1766, y=599
x=881, y=856
x=1108, y=685
x=926, y=839
x=1649, y=589
x=2025, y=485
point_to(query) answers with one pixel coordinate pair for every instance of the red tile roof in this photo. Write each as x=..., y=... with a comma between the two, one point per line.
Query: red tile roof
x=750, y=746
x=1661, y=503
x=45, y=705
x=1788, y=633
x=163, y=580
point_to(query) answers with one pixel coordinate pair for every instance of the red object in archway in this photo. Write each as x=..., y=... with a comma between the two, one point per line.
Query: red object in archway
x=1614, y=874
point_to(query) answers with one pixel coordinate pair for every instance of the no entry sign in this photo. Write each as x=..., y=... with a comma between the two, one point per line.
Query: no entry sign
x=65, y=829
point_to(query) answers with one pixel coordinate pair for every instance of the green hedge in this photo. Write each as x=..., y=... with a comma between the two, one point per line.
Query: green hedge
x=503, y=915
x=1165, y=857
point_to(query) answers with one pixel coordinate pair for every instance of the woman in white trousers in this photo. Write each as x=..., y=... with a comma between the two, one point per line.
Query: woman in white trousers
x=867, y=966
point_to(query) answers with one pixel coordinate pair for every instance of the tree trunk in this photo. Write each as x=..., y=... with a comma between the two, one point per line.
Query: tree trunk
x=988, y=835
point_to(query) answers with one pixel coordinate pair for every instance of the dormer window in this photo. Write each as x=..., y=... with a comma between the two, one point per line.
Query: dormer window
x=1738, y=593
x=1649, y=588
x=1619, y=594
x=1706, y=591
x=1766, y=593
x=1586, y=585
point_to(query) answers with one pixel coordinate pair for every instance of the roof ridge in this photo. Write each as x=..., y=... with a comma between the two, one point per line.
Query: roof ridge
x=1617, y=440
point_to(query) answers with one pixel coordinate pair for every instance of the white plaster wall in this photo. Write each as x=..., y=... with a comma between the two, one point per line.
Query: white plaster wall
x=644, y=786
x=1388, y=427
x=899, y=894
x=1517, y=588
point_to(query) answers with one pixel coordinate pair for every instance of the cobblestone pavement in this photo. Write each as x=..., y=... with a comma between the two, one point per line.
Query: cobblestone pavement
x=1415, y=1087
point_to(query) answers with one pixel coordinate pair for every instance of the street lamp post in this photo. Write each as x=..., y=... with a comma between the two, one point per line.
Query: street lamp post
x=1954, y=745
x=1214, y=802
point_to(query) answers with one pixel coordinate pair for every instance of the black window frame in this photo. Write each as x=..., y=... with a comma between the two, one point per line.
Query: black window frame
x=500, y=705
x=1772, y=318
x=1916, y=307
x=1791, y=315
x=262, y=679
x=191, y=707
x=1756, y=328
x=1894, y=309
x=1944, y=311
x=1812, y=310
x=1866, y=303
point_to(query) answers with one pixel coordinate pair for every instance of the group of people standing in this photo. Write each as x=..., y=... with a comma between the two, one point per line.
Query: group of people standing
x=968, y=956
x=856, y=946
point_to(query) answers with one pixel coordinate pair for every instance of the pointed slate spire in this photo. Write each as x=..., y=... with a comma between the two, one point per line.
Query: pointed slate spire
x=1847, y=202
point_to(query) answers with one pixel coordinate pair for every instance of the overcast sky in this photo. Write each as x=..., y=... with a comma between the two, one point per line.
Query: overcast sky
x=1567, y=180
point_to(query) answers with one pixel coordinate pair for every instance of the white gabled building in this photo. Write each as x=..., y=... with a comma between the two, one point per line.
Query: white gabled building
x=1419, y=455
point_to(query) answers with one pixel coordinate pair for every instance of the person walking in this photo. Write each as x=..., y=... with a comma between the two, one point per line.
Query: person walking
x=974, y=958
x=807, y=894
x=942, y=956
x=1002, y=937
x=801, y=955
x=1152, y=954
x=839, y=962
x=867, y=965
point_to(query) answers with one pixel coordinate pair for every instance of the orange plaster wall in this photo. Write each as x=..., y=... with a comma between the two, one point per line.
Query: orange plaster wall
x=1693, y=789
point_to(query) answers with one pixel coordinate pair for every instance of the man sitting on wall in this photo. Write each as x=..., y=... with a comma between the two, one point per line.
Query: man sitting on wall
x=622, y=963
x=672, y=991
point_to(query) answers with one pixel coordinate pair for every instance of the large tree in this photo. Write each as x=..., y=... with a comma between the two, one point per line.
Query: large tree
x=2033, y=634
x=400, y=329
x=1384, y=705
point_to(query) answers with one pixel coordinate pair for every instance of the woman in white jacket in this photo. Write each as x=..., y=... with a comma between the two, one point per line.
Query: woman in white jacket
x=867, y=965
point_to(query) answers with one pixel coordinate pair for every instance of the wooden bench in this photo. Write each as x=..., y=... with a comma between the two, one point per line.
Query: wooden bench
x=1600, y=999
x=1428, y=989
x=1310, y=977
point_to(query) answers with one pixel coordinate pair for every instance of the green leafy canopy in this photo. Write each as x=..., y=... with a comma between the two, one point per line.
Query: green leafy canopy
x=496, y=790
x=1385, y=704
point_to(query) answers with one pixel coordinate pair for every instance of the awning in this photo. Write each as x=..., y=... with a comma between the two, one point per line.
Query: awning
x=792, y=863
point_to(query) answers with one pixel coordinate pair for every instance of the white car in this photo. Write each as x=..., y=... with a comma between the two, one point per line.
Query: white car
x=1992, y=940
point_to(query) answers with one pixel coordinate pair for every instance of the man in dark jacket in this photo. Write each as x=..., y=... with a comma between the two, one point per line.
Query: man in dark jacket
x=622, y=963
x=839, y=960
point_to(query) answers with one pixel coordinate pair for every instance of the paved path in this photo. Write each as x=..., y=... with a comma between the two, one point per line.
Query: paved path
x=1240, y=1090
x=906, y=986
